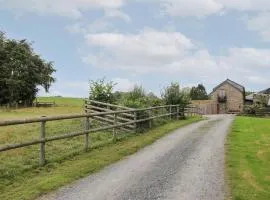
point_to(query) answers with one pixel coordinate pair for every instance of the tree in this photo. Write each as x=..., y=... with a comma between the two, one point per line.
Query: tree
x=198, y=93
x=21, y=72
x=173, y=95
x=102, y=91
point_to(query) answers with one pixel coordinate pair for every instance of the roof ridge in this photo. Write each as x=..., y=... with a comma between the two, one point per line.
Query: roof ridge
x=267, y=90
x=235, y=83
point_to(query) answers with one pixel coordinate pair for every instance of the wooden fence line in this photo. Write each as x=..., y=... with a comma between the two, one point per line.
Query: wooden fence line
x=114, y=124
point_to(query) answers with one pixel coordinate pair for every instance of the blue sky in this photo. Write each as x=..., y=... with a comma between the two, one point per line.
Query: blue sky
x=147, y=42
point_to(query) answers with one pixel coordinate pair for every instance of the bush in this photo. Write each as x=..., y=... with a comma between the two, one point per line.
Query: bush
x=102, y=91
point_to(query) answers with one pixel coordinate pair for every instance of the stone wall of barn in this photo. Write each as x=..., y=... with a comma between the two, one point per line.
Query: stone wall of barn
x=234, y=102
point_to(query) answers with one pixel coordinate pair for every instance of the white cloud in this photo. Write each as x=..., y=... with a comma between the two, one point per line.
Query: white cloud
x=149, y=50
x=246, y=5
x=183, y=8
x=248, y=59
x=251, y=66
x=261, y=24
x=123, y=84
x=258, y=80
x=75, y=8
x=198, y=8
x=202, y=8
x=152, y=51
x=70, y=8
x=96, y=26
x=112, y=13
x=161, y=51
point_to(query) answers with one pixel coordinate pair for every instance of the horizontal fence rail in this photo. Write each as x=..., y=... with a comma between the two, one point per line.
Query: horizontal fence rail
x=126, y=119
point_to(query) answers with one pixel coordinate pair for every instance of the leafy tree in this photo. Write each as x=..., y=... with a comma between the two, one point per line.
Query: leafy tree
x=198, y=93
x=173, y=95
x=102, y=91
x=21, y=72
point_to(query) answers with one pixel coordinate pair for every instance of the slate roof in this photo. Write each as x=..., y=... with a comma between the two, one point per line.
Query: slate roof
x=266, y=91
x=232, y=83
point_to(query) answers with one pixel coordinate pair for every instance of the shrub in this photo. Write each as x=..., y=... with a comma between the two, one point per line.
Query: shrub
x=102, y=91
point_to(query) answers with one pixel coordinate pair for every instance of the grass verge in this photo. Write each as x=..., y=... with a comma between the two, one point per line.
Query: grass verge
x=30, y=184
x=248, y=159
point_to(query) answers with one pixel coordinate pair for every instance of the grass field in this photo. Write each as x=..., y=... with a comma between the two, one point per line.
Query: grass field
x=22, y=178
x=248, y=159
x=63, y=106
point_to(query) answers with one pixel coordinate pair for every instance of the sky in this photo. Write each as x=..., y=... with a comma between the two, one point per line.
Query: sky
x=145, y=42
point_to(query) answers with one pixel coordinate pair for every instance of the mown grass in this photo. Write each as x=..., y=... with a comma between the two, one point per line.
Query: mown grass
x=20, y=174
x=248, y=159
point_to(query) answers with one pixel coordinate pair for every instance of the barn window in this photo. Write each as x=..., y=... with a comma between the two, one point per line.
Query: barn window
x=222, y=93
x=222, y=96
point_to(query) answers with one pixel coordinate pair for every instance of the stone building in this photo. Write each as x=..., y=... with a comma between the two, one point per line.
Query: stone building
x=229, y=97
x=259, y=98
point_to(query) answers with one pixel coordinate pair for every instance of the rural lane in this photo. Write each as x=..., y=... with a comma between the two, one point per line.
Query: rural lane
x=187, y=164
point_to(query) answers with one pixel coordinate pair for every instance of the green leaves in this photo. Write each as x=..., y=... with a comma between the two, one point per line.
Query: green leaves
x=21, y=71
x=198, y=93
x=173, y=95
x=100, y=90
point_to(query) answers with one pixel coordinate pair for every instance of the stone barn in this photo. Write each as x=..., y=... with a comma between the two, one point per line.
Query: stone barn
x=229, y=97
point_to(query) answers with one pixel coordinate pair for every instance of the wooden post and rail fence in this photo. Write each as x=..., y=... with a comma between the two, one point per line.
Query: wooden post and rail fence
x=120, y=118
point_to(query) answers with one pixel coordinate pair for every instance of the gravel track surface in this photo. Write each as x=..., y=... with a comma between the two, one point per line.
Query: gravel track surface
x=188, y=164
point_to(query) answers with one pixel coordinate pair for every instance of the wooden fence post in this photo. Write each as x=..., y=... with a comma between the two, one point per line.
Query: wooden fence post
x=150, y=120
x=42, y=144
x=87, y=127
x=170, y=112
x=85, y=106
x=135, y=121
x=177, y=112
x=114, y=129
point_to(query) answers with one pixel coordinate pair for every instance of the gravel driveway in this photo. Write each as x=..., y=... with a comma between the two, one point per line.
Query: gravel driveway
x=188, y=164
